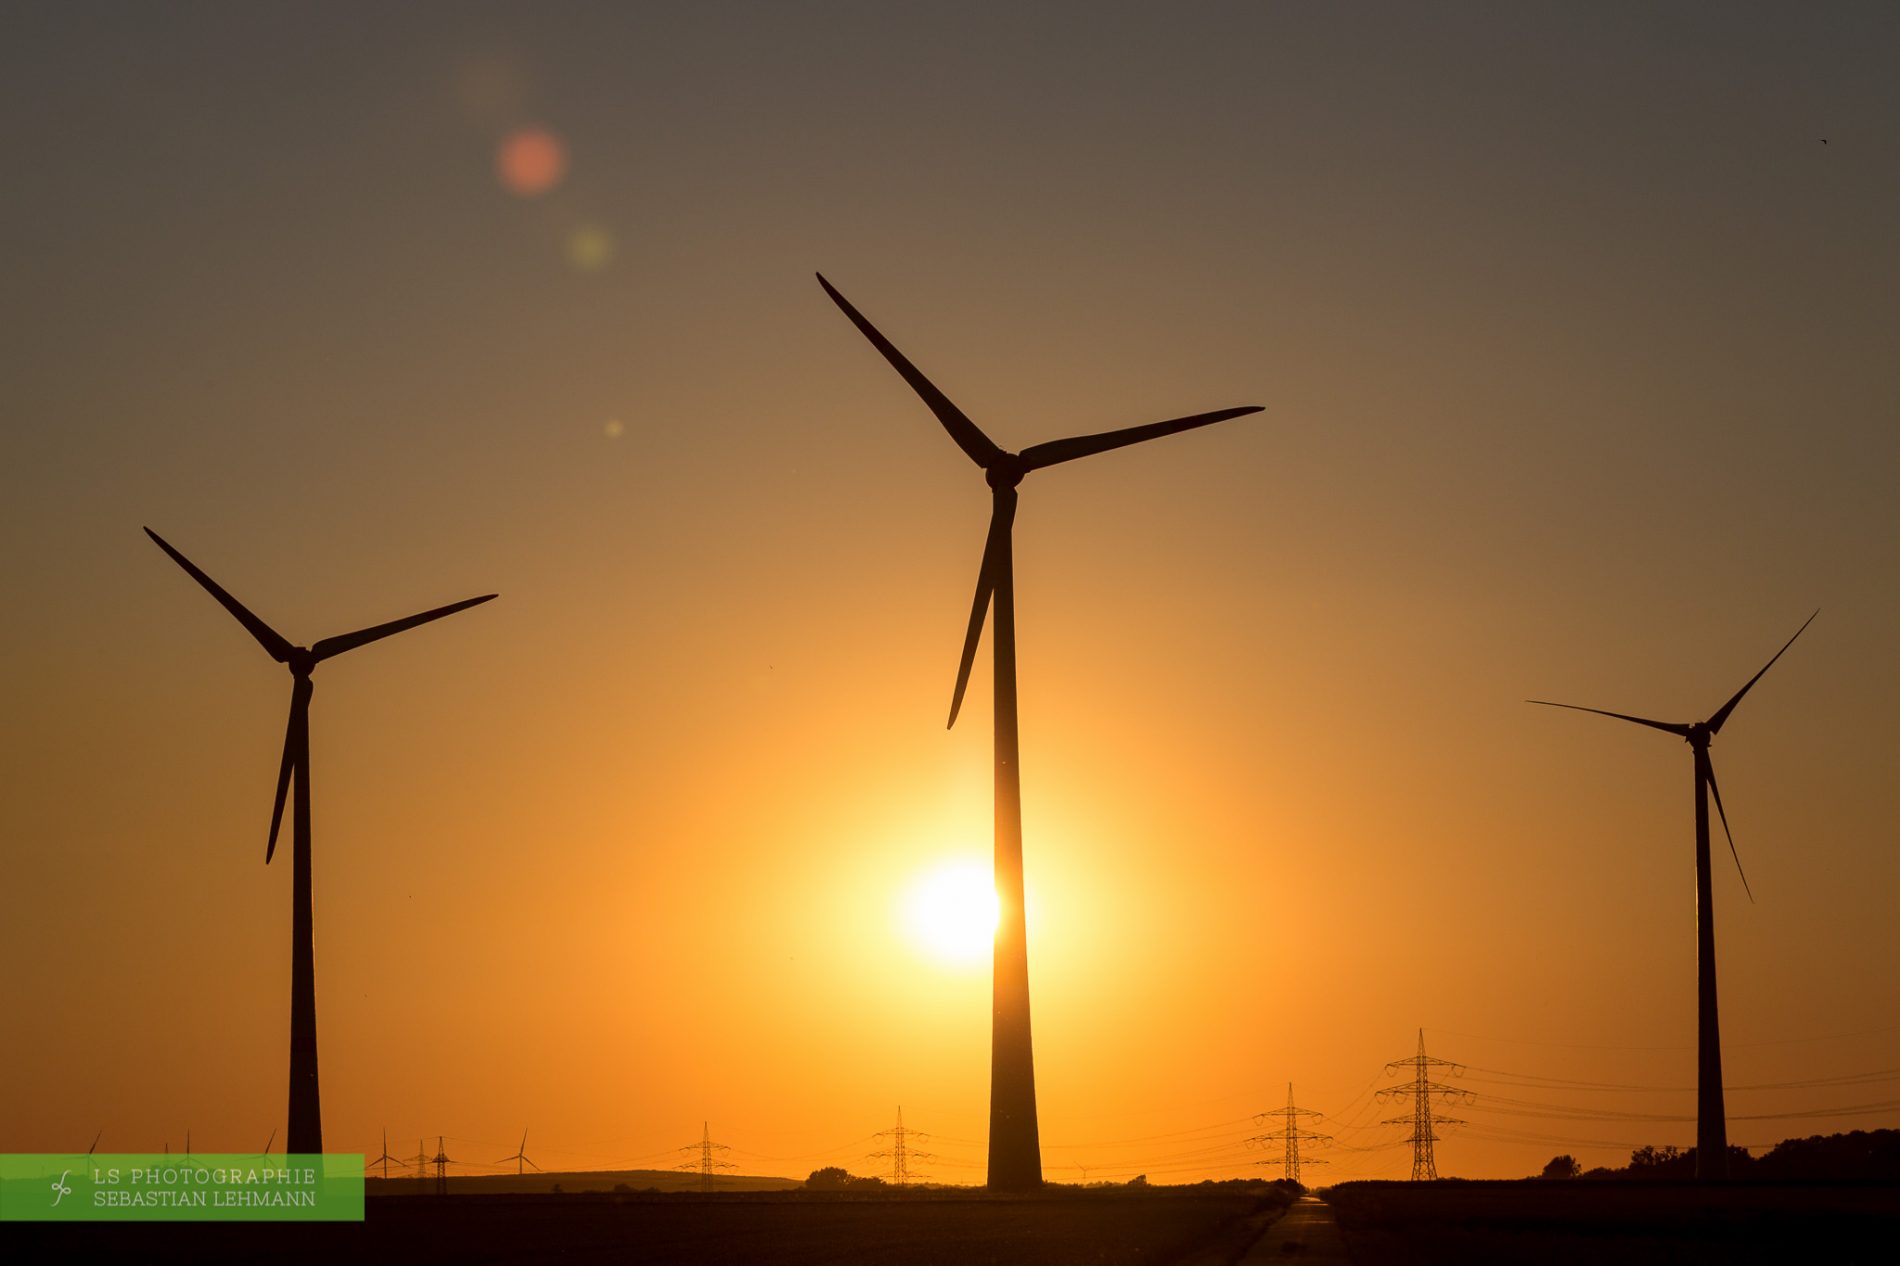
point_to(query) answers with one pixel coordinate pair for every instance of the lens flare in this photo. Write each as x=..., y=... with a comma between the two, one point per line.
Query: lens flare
x=530, y=161
x=590, y=248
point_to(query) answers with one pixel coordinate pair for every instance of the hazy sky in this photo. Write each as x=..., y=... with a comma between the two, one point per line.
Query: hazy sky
x=1574, y=327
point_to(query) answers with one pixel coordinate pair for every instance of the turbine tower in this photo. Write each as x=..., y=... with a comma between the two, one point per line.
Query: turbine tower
x=305, y=1136
x=520, y=1156
x=1290, y=1135
x=1015, y=1150
x=1711, y=1133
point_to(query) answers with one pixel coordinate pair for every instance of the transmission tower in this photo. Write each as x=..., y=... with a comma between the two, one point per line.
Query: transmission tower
x=1291, y=1135
x=422, y=1164
x=1420, y=1091
x=901, y=1153
x=707, y=1162
x=441, y=1160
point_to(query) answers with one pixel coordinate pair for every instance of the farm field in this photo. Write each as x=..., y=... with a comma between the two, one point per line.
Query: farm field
x=1623, y=1222
x=802, y=1229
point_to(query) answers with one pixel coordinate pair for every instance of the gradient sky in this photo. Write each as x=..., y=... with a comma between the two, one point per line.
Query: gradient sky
x=1576, y=346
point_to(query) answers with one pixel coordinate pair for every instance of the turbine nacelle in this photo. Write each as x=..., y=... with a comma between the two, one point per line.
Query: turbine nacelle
x=1004, y=470
x=302, y=661
x=1698, y=736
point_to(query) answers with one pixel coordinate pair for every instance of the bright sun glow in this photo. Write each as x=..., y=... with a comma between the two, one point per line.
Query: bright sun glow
x=950, y=910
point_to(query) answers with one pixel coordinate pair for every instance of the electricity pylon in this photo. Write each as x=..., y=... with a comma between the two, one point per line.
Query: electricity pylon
x=441, y=1168
x=1291, y=1135
x=900, y=1152
x=707, y=1162
x=422, y=1164
x=1420, y=1091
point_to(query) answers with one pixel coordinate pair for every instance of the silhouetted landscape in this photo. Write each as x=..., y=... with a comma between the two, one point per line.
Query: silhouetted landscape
x=1334, y=381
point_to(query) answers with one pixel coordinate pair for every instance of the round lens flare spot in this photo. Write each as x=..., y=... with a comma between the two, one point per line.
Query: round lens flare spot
x=950, y=911
x=614, y=429
x=530, y=161
x=590, y=248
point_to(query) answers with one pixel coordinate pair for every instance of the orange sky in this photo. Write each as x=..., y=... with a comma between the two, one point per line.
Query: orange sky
x=1574, y=343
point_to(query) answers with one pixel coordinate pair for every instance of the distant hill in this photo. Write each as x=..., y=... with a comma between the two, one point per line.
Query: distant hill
x=586, y=1180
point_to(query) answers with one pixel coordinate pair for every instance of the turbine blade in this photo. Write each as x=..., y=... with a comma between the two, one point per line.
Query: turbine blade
x=297, y=726
x=95, y=1140
x=969, y=437
x=1000, y=520
x=330, y=646
x=1715, y=722
x=1723, y=814
x=1036, y=456
x=1680, y=730
x=270, y=639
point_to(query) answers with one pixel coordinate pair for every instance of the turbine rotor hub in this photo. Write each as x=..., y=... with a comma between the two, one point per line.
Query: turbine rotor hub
x=301, y=661
x=1699, y=736
x=1006, y=472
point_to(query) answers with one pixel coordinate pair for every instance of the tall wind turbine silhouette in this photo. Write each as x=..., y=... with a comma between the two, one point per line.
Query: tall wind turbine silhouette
x=1711, y=1157
x=520, y=1156
x=1015, y=1152
x=305, y=1135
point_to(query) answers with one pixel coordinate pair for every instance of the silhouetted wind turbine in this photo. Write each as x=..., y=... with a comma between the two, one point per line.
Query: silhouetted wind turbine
x=385, y=1158
x=306, y=1118
x=1015, y=1154
x=520, y=1156
x=1711, y=1161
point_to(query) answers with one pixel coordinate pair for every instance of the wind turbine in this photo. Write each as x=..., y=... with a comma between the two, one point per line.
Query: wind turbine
x=1015, y=1154
x=520, y=1156
x=385, y=1158
x=1711, y=1159
x=306, y=1118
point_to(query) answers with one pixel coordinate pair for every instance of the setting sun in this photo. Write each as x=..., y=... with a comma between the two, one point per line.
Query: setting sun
x=950, y=911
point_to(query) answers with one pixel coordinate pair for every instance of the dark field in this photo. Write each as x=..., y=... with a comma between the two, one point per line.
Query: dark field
x=953, y=1229
x=1385, y=1224
x=1619, y=1223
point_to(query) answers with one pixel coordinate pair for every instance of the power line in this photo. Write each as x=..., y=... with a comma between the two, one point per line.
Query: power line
x=441, y=1168
x=707, y=1161
x=1290, y=1136
x=1422, y=1120
x=900, y=1152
